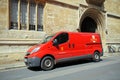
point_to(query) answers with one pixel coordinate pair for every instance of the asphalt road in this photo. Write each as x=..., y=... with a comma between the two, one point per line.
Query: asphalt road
x=106, y=69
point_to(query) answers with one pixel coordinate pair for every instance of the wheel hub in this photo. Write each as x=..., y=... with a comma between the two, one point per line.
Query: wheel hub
x=96, y=56
x=48, y=63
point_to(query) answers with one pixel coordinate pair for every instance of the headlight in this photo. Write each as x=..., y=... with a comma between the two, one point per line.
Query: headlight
x=35, y=50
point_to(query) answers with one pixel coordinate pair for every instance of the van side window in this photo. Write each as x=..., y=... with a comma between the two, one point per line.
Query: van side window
x=62, y=38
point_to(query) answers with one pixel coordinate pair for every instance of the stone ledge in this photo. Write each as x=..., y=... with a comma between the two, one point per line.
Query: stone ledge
x=19, y=41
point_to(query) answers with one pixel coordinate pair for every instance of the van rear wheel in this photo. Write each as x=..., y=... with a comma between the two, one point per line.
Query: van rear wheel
x=96, y=57
x=47, y=63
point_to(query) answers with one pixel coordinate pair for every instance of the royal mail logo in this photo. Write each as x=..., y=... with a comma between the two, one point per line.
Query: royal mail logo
x=93, y=39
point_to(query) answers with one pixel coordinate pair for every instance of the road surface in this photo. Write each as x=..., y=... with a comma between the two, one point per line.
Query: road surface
x=106, y=69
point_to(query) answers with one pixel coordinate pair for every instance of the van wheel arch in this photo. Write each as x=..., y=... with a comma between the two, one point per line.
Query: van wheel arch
x=49, y=55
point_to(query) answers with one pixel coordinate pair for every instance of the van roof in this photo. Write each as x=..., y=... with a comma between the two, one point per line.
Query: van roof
x=77, y=32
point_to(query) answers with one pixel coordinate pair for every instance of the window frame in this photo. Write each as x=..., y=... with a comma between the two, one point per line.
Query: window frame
x=60, y=37
x=38, y=25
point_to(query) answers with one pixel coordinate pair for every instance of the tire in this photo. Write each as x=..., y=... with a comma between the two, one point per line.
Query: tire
x=47, y=63
x=96, y=57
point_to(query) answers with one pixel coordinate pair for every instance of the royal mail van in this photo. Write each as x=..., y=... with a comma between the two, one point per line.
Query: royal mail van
x=64, y=46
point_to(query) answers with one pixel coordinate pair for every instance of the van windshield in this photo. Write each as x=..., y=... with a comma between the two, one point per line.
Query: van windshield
x=46, y=39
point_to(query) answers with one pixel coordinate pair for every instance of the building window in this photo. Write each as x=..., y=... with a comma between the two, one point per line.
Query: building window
x=40, y=18
x=26, y=15
x=32, y=17
x=14, y=14
x=23, y=17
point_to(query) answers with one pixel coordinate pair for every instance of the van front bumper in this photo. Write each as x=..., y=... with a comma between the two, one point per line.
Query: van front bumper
x=32, y=62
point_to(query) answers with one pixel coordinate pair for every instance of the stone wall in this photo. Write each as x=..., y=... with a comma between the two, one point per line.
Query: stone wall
x=59, y=16
x=21, y=34
x=73, y=2
x=113, y=27
x=112, y=6
x=4, y=18
x=19, y=41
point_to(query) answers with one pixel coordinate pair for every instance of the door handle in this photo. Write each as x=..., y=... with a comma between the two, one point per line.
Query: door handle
x=71, y=45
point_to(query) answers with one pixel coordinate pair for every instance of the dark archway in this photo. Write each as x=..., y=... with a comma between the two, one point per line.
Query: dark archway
x=92, y=20
x=88, y=25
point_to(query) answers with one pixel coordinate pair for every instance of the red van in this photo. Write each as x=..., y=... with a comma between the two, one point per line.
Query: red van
x=64, y=46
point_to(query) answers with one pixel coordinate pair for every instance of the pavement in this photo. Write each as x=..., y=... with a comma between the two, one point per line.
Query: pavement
x=21, y=64
x=12, y=65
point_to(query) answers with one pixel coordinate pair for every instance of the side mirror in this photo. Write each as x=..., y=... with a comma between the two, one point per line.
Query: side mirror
x=55, y=42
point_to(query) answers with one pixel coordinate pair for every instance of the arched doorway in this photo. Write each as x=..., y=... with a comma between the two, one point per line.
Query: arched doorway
x=88, y=25
x=92, y=20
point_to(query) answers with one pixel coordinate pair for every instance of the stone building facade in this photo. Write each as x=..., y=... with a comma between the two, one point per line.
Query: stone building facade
x=24, y=23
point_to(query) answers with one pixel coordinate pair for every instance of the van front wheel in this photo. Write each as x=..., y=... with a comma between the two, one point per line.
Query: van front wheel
x=96, y=57
x=47, y=63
